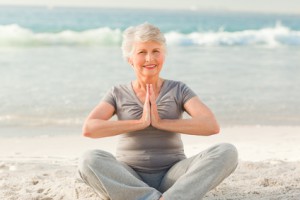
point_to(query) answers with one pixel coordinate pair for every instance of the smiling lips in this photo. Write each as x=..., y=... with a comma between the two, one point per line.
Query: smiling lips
x=149, y=66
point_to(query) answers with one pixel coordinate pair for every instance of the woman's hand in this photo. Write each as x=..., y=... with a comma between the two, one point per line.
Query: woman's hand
x=146, y=117
x=202, y=121
x=150, y=114
x=155, y=119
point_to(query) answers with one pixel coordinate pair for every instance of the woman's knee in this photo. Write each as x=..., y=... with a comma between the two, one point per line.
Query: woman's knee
x=92, y=158
x=228, y=152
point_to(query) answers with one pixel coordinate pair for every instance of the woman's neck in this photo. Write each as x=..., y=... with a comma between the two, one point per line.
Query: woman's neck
x=140, y=83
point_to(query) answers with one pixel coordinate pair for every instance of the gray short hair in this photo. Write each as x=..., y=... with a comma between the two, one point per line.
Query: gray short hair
x=142, y=33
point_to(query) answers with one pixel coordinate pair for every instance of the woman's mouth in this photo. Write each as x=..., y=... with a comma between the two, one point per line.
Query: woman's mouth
x=149, y=66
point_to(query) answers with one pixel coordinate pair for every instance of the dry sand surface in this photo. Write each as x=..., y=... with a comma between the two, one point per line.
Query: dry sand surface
x=45, y=167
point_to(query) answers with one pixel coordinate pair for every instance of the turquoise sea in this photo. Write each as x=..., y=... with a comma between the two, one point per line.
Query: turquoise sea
x=57, y=63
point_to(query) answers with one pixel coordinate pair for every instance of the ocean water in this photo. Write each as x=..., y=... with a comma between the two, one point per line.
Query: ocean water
x=57, y=63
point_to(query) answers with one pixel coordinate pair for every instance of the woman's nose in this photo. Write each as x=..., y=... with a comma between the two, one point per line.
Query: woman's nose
x=148, y=57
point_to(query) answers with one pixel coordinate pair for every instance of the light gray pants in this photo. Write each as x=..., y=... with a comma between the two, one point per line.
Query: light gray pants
x=189, y=179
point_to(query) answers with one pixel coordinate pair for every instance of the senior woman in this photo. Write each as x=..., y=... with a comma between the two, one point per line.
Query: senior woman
x=150, y=163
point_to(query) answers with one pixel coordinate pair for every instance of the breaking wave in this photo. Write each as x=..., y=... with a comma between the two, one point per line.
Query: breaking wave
x=17, y=36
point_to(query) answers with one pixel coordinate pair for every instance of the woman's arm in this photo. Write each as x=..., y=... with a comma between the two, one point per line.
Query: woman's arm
x=202, y=122
x=98, y=125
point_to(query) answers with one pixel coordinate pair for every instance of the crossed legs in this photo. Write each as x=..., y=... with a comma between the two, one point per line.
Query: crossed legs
x=189, y=179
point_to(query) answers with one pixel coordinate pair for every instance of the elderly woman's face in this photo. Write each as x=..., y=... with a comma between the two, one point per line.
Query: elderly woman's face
x=147, y=58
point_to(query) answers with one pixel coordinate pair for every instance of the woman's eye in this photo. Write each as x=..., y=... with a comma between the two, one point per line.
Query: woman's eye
x=141, y=52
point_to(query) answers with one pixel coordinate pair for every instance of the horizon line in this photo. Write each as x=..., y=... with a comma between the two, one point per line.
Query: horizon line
x=143, y=8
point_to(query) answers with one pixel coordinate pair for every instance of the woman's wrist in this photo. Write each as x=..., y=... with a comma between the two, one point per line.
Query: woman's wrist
x=157, y=123
x=142, y=124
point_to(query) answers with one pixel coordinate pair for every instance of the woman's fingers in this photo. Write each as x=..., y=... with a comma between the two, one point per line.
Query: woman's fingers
x=147, y=93
x=150, y=113
x=151, y=94
x=155, y=119
x=146, y=109
x=147, y=103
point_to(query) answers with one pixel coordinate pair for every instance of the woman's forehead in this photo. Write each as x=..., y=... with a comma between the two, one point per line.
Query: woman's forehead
x=146, y=45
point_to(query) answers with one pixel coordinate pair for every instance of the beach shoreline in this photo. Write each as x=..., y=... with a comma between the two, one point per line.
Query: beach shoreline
x=254, y=143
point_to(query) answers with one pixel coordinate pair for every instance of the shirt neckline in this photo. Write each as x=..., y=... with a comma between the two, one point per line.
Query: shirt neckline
x=139, y=101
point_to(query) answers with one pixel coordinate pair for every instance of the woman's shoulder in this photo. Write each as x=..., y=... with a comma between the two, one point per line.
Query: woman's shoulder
x=121, y=88
x=178, y=86
x=174, y=83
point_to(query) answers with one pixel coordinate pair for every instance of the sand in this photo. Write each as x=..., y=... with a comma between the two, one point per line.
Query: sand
x=44, y=167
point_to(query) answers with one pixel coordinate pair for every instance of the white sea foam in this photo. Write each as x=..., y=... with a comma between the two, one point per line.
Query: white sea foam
x=15, y=35
x=278, y=35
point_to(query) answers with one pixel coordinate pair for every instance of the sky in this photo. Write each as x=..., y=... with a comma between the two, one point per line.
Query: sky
x=266, y=6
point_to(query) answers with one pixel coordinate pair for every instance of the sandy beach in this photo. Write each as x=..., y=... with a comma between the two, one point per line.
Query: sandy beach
x=58, y=59
x=44, y=167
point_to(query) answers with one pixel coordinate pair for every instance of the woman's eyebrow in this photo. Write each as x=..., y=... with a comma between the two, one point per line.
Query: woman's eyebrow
x=145, y=49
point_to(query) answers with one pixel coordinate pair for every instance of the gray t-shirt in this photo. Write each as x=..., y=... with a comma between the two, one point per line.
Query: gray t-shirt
x=150, y=149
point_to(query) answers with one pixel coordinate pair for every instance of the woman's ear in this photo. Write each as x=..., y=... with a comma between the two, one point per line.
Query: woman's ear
x=130, y=61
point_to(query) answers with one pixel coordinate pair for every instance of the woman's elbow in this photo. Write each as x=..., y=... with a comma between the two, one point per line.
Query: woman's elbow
x=216, y=130
x=213, y=129
x=86, y=132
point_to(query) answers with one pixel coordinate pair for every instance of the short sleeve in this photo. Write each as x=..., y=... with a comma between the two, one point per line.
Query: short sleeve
x=186, y=93
x=110, y=97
